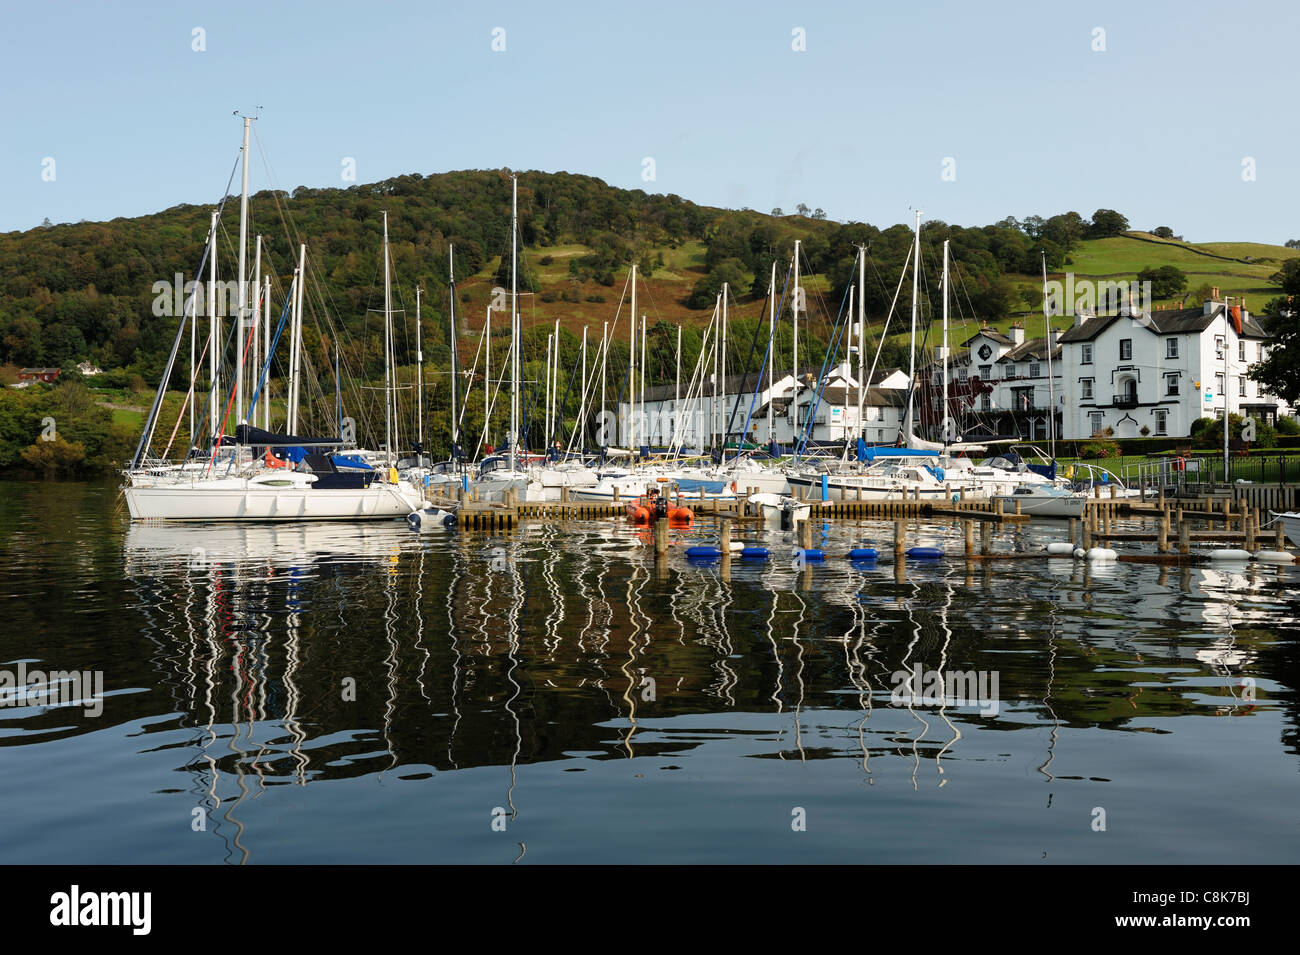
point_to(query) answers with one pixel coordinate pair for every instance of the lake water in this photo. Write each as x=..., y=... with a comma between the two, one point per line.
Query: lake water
x=334, y=693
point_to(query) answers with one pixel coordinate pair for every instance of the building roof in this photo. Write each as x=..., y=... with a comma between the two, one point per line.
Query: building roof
x=1175, y=321
x=874, y=398
x=38, y=371
x=988, y=333
x=746, y=384
x=1033, y=350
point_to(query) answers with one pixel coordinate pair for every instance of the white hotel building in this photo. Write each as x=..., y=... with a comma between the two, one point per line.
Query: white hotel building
x=1133, y=373
x=1155, y=373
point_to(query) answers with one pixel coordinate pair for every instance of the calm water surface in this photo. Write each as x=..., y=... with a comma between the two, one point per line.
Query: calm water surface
x=333, y=693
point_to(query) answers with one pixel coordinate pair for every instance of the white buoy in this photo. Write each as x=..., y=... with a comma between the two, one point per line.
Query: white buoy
x=1228, y=553
x=1101, y=553
x=1275, y=557
x=1060, y=549
x=736, y=545
x=1080, y=553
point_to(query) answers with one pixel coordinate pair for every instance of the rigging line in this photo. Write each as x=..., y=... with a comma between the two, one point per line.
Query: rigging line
x=841, y=326
x=209, y=247
x=771, y=344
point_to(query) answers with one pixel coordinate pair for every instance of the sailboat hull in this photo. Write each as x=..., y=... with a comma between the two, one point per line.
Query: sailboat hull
x=201, y=501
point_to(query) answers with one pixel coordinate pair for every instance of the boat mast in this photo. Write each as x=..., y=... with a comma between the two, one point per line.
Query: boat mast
x=944, y=413
x=794, y=311
x=723, y=381
x=455, y=387
x=862, y=339
x=546, y=398
x=677, y=389
x=556, y=410
x=849, y=363
x=419, y=383
x=241, y=317
x=1051, y=389
x=514, y=321
x=254, y=319
x=771, y=349
x=487, y=375
x=631, y=372
x=645, y=427
x=266, y=337
x=717, y=335
x=604, y=354
x=909, y=415
x=214, y=349
x=295, y=344
x=388, y=351
x=582, y=411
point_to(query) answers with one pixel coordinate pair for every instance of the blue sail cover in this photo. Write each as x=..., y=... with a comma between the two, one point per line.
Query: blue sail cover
x=876, y=453
x=353, y=461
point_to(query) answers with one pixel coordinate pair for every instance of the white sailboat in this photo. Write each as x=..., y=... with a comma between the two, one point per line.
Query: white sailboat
x=241, y=479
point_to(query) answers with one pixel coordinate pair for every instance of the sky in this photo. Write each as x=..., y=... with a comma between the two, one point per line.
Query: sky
x=1172, y=113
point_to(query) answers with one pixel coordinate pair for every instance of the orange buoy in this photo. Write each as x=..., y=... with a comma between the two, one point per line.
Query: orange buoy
x=638, y=515
x=681, y=516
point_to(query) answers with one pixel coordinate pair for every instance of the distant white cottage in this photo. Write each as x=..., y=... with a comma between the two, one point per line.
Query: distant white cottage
x=736, y=410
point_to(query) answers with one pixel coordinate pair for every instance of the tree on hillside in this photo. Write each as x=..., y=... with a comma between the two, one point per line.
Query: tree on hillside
x=802, y=209
x=705, y=292
x=1107, y=223
x=1162, y=232
x=1280, y=371
x=1293, y=243
x=1065, y=230
x=819, y=213
x=1166, y=281
x=777, y=211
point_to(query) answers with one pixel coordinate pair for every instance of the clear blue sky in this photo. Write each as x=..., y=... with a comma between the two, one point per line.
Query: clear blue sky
x=1156, y=126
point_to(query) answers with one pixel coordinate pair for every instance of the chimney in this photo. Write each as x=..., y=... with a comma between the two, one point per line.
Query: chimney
x=1017, y=333
x=1053, y=337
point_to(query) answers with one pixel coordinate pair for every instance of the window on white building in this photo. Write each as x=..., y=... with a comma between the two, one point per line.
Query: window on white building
x=1171, y=347
x=1085, y=353
x=986, y=372
x=1095, y=420
x=1218, y=347
x=1171, y=385
x=1241, y=386
x=1241, y=350
x=1085, y=388
x=1218, y=383
x=1126, y=349
x=962, y=373
x=1033, y=369
x=986, y=403
x=1162, y=421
